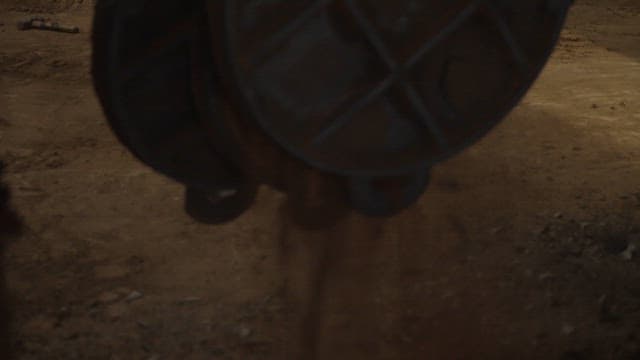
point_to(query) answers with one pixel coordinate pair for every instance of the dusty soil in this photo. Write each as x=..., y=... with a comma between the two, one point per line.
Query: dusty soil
x=9, y=228
x=525, y=246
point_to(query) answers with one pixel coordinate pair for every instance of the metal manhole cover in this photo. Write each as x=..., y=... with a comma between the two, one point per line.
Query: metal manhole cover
x=379, y=88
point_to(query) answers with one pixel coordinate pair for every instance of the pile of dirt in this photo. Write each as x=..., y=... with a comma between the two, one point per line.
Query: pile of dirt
x=41, y=6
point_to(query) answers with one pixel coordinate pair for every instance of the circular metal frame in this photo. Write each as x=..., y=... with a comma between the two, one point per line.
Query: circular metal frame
x=396, y=77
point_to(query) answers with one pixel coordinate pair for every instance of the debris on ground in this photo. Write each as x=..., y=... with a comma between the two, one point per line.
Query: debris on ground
x=189, y=300
x=40, y=23
x=243, y=331
x=133, y=296
x=627, y=254
x=567, y=329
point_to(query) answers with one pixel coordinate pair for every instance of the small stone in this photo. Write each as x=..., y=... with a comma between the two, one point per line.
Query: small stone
x=227, y=193
x=567, y=329
x=189, y=300
x=243, y=331
x=497, y=230
x=602, y=299
x=133, y=296
x=64, y=311
x=142, y=324
x=545, y=276
x=594, y=106
x=627, y=254
x=557, y=215
x=123, y=291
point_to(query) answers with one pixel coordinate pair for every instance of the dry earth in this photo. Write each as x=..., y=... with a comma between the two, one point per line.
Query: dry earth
x=525, y=246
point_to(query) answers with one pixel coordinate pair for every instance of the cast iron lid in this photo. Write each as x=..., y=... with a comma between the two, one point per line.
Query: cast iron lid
x=379, y=88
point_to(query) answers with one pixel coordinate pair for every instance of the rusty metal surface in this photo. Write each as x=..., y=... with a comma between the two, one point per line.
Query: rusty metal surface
x=381, y=88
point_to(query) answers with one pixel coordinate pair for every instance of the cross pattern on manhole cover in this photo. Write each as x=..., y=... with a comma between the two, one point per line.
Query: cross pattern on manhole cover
x=396, y=69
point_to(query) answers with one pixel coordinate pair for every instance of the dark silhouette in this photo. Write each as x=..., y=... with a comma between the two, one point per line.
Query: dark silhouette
x=9, y=227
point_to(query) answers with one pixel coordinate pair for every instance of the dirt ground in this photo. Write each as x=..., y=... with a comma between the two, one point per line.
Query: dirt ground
x=526, y=246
